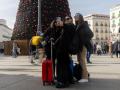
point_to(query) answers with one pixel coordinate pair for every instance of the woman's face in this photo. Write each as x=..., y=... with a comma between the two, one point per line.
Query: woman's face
x=59, y=23
x=68, y=20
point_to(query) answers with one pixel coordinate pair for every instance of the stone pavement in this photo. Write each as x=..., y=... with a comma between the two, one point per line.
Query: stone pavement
x=19, y=74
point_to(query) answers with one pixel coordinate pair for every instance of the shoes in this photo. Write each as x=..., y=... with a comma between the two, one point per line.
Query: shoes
x=32, y=61
x=89, y=62
x=72, y=81
x=83, y=81
x=60, y=85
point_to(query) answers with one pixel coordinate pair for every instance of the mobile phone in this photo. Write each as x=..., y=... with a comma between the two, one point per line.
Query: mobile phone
x=58, y=19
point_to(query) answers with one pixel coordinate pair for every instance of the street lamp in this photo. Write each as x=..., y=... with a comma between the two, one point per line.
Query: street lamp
x=39, y=26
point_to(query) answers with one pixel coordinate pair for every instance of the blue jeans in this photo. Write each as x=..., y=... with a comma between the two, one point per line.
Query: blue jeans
x=88, y=56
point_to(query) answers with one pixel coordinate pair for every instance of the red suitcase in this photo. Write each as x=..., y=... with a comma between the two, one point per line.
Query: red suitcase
x=47, y=72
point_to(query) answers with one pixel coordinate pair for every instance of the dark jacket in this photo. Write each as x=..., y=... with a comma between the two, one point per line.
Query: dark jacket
x=53, y=33
x=117, y=46
x=85, y=36
x=66, y=38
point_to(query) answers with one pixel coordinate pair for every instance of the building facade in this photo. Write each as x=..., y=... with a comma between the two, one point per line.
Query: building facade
x=100, y=25
x=115, y=22
x=5, y=31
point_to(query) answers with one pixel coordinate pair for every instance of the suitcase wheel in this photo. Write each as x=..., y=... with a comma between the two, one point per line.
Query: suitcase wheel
x=43, y=83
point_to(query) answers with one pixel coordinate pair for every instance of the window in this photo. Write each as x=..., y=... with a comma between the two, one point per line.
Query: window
x=106, y=38
x=113, y=15
x=106, y=24
x=113, y=25
x=113, y=30
x=119, y=23
x=96, y=30
x=96, y=24
x=113, y=21
x=101, y=31
x=106, y=31
x=101, y=24
x=119, y=14
x=97, y=38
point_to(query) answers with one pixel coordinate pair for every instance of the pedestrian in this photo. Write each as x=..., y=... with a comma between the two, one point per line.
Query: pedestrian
x=15, y=49
x=99, y=49
x=1, y=48
x=32, y=49
x=69, y=30
x=112, y=49
x=88, y=55
x=62, y=52
x=51, y=34
x=117, y=49
x=85, y=35
x=94, y=48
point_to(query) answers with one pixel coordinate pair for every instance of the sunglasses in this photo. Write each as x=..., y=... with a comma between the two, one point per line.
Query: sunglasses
x=67, y=19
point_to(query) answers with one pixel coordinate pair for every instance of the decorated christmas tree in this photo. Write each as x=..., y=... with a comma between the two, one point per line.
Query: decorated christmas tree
x=27, y=16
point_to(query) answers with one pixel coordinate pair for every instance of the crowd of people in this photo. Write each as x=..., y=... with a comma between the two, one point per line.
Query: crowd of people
x=63, y=33
x=107, y=49
x=100, y=49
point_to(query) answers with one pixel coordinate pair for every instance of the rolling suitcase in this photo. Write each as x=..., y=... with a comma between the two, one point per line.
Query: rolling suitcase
x=47, y=72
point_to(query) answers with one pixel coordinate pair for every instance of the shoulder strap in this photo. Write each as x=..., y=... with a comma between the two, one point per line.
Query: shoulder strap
x=59, y=36
x=77, y=28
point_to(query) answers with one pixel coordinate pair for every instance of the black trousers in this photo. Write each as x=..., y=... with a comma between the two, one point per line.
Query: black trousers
x=118, y=53
x=64, y=73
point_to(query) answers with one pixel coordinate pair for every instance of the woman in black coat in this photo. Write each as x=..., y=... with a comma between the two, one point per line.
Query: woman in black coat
x=64, y=74
x=62, y=35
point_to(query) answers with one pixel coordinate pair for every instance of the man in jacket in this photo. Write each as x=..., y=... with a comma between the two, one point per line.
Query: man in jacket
x=85, y=38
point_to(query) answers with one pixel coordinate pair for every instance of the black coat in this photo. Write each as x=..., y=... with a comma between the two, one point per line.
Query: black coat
x=51, y=33
x=66, y=39
x=85, y=36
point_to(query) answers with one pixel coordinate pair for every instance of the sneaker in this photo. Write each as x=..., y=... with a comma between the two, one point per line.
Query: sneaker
x=83, y=81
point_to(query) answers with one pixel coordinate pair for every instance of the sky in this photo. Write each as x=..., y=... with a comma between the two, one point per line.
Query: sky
x=8, y=8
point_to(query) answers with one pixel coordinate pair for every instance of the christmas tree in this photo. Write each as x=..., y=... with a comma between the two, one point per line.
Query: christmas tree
x=27, y=16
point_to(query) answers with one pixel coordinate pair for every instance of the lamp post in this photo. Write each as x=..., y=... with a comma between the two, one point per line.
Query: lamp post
x=39, y=26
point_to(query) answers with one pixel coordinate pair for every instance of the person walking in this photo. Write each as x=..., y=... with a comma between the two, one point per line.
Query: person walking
x=15, y=49
x=117, y=49
x=88, y=55
x=85, y=37
x=99, y=49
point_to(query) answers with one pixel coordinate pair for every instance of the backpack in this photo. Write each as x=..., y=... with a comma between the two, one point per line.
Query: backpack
x=77, y=71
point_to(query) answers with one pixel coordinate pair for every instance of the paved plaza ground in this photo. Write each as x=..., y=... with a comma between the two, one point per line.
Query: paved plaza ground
x=19, y=74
